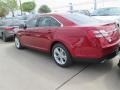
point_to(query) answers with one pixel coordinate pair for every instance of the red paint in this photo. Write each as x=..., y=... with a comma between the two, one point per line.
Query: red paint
x=81, y=41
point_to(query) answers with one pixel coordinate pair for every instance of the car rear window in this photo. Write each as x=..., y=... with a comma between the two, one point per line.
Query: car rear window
x=81, y=19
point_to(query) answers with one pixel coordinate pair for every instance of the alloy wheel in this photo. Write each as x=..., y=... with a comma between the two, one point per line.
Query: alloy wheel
x=17, y=42
x=60, y=55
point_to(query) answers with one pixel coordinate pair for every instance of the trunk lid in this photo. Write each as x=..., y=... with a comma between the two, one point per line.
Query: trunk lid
x=107, y=34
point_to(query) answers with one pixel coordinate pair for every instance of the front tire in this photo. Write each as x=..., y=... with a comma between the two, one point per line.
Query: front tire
x=17, y=43
x=61, y=55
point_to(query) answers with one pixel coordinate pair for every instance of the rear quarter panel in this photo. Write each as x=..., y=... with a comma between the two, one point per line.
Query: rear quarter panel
x=70, y=37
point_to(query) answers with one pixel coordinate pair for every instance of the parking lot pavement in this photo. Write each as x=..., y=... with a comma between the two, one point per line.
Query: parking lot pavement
x=97, y=77
x=33, y=70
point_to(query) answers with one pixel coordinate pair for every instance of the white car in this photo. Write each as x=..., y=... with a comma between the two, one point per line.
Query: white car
x=107, y=14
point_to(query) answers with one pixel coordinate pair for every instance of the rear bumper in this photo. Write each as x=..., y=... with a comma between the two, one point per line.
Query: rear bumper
x=98, y=60
x=91, y=52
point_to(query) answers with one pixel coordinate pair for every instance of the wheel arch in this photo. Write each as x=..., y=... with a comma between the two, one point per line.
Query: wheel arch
x=59, y=42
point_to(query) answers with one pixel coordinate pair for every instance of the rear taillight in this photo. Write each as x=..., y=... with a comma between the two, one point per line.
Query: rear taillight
x=101, y=33
x=108, y=35
x=93, y=41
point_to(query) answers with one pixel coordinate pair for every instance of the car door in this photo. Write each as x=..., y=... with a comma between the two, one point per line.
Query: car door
x=44, y=32
x=26, y=37
x=37, y=28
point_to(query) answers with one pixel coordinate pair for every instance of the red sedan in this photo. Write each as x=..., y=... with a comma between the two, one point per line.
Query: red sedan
x=68, y=36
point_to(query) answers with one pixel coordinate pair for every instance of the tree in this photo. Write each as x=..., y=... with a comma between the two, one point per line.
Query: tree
x=3, y=9
x=28, y=6
x=44, y=9
x=11, y=5
x=20, y=6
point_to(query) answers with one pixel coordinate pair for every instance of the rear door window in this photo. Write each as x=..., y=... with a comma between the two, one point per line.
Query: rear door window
x=48, y=21
x=32, y=22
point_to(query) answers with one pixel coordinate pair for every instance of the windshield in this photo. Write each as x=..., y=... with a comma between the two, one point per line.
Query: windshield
x=80, y=19
x=106, y=12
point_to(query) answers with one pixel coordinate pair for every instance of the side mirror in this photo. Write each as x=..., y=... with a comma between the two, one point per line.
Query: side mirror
x=23, y=26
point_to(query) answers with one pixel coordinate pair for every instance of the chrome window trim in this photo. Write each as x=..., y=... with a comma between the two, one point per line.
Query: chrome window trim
x=61, y=25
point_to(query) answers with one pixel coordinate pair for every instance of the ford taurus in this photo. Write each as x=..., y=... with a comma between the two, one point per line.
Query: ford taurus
x=68, y=36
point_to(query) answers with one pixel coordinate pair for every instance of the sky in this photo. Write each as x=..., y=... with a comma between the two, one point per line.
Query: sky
x=63, y=5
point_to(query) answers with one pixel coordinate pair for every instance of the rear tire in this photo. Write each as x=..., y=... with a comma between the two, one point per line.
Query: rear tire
x=18, y=43
x=61, y=55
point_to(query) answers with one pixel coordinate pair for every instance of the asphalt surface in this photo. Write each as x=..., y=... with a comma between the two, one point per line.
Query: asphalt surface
x=28, y=69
